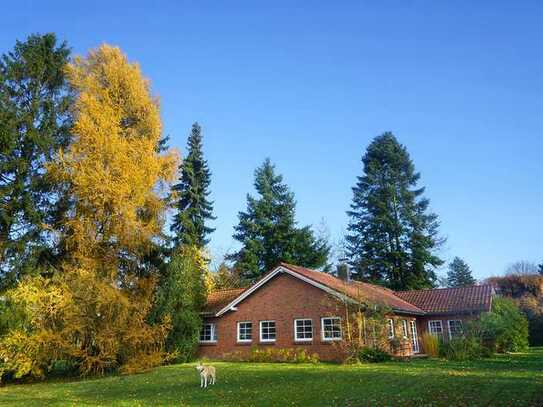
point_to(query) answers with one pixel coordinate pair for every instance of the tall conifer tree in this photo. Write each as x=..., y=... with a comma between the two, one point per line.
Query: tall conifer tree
x=268, y=231
x=459, y=274
x=34, y=124
x=392, y=237
x=193, y=205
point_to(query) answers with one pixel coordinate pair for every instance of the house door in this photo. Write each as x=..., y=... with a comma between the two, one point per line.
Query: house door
x=414, y=337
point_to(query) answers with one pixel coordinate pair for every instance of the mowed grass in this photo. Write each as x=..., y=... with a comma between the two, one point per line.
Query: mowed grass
x=504, y=380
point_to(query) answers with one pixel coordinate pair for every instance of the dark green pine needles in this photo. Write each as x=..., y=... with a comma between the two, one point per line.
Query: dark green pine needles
x=193, y=207
x=392, y=236
x=268, y=232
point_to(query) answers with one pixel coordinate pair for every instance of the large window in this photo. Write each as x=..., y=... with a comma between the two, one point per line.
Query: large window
x=208, y=333
x=390, y=328
x=245, y=331
x=405, y=330
x=331, y=328
x=303, y=329
x=455, y=328
x=267, y=331
x=435, y=328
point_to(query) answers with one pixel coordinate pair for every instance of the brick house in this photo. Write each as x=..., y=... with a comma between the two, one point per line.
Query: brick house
x=295, y=307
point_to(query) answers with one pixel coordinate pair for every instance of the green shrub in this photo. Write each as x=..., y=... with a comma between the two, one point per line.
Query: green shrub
x=505, y=328
x=464, y=348
x=272, y=355
x=373, y=355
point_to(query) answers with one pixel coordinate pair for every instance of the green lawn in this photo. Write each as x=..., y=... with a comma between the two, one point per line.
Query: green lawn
x=504, y=380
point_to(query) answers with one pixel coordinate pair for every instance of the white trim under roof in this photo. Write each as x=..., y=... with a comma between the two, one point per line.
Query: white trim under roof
x=280, y=269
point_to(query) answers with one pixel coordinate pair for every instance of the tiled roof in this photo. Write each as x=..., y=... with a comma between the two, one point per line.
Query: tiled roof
x=430, y=301
x=216, y=300
x=356, y=290
x=450, y=300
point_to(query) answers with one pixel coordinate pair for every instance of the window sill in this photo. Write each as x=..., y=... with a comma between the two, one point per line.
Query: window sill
x=266, y=343
x=247, y=343
x=211, y=343
x=308, y=342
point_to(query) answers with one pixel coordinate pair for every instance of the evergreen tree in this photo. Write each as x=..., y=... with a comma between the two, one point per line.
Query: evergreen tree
x=193, y=206
x=268, y=231
x=540, y=269
x=459, y=274
x=225, y=278
x=392, y=237
x=34, y=124
x=181, y=296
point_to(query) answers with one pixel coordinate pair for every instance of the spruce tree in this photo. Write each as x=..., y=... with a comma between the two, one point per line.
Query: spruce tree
x=268, y=231
x=192, y=205
x=392, y=236
x=459, y=274
x=34, y=123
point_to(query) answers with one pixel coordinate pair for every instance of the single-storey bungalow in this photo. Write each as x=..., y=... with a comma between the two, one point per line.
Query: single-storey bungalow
x=295, y=307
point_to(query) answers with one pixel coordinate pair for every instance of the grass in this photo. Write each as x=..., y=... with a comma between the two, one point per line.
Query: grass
x=503, y=380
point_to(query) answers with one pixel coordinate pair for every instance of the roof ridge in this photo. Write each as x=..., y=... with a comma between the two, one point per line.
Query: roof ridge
x=443, y=288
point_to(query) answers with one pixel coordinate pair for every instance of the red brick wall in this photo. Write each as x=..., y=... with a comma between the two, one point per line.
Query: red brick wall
x=283, y=299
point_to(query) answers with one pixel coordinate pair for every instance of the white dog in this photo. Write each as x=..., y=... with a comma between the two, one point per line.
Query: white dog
x=206, y=372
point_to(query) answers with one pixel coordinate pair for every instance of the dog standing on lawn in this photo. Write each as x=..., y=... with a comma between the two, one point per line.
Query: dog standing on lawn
x=206, y=372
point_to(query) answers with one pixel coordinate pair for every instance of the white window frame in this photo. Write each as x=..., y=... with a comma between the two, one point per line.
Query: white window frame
x=213, y=333
x=414, y=336
x=438, y=334
x=239, y=329
x=261, y=331
x=449, y=326
x=405, y=329
x=390, y=327
x=296, y=330
x=323, y=337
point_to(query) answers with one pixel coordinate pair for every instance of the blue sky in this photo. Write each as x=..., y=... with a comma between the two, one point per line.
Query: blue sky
x=309, y=85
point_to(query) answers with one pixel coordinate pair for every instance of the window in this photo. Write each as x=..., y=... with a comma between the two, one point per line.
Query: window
x=435, y=328
x=414, y=337
x=455, y=328
x=390, y=327
x=267, y=331
x=331, y=328
x=303, y=329
x=208, y=333
x=245, y=331
x=405, y=330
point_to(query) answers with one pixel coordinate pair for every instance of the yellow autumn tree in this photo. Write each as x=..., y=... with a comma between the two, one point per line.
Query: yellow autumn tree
x=92, y=313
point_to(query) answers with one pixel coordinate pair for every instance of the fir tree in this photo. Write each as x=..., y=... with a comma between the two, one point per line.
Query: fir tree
x=268, y=232
x=34, y=124
x=392, y=237
x=193, y=206
x=459, y=274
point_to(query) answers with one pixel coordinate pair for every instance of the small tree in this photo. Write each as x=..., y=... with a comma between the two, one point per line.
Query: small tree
x=181, y=297
x=459, y=274
x=522, y=267
x=226, y=277
x=505, y=328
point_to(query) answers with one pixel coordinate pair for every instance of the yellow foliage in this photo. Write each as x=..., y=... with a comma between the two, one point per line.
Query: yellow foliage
x=112, y=166
x=79, y=318
x=430, y=344
x=90, y=314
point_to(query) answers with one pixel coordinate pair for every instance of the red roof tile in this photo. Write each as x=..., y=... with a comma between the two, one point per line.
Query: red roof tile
x=357, y=290
x=450, y=300
x=217, y=300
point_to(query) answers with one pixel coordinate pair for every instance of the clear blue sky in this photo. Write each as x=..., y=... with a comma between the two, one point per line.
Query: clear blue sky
x=459, y=83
